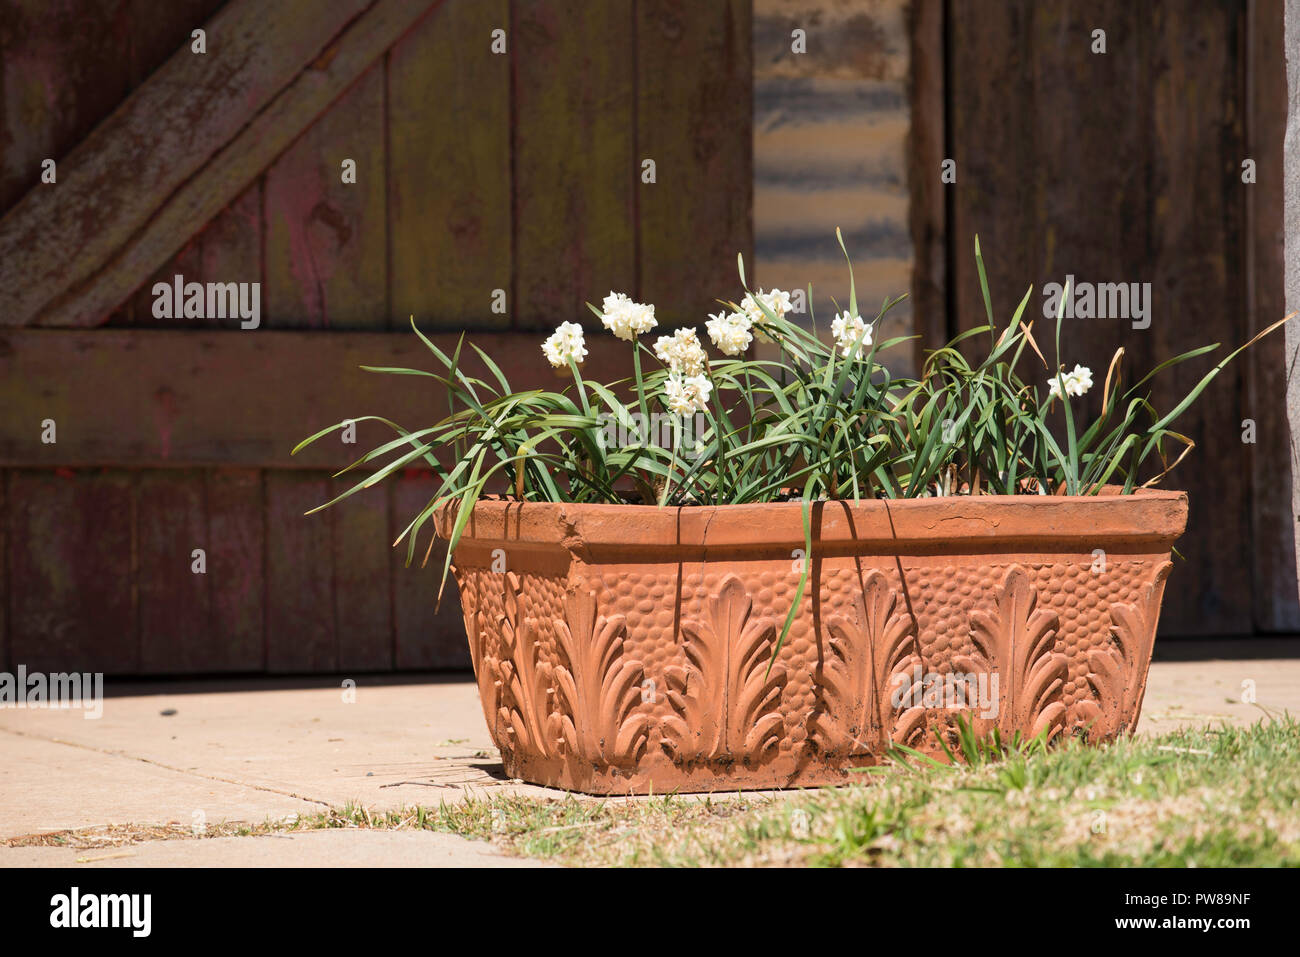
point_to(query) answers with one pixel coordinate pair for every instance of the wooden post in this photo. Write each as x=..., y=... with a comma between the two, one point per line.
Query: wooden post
x=1291, y=213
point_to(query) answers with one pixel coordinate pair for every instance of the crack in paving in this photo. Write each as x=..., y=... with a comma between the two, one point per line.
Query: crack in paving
x=116, y=753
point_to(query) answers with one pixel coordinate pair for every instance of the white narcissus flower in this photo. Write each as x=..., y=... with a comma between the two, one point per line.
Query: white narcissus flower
x=1077, y=382
x=615, y=302
x=681, y=352
x=777, y=302
x=848, y=331
x=701, y=386
x=730, y=332
x=687, y=395
x=565, y=343
x=625, y=318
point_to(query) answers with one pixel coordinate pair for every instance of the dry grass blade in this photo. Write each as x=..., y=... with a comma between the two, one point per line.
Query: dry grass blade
x=1187, y=447
x=1110, y=373
x=1029, y=337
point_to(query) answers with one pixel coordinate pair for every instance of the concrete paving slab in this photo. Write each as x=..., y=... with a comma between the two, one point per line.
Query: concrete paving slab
x=1236, y=691
x=50, y=786
x=332, y=847
x=381, y=744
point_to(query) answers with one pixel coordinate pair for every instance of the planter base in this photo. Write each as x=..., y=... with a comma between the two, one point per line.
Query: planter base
x=784, y=771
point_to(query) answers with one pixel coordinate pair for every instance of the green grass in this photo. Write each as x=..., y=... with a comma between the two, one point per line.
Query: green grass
x=1225, y=797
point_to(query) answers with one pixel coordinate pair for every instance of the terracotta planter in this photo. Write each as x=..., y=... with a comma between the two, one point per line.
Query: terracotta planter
x=625, y=648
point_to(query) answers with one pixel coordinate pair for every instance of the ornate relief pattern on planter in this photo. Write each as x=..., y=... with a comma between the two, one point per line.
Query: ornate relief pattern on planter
x=597, y=689
x=725, y=703
x=526, y=681
x=1117, y=673
x=873, y=659
x=1016, y=642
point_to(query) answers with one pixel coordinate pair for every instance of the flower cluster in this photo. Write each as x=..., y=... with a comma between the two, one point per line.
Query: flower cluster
x=851, y=331
x=687, y=387
x=1077, y=382
x=565, y=343
x=687, y=394
x=730, y=332
x=681, y=352
x=777, y=303
x=625, y=318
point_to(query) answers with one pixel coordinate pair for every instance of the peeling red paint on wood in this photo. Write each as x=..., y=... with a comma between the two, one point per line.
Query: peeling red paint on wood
x=325, y=239
x=300, y=621
x=175, y=602
x=236, y=546
x=362, y=579
x=71, y=578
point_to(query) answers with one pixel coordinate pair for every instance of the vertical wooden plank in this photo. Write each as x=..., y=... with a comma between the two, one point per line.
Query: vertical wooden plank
x=991, y=121
x=326, y=255
x=926, y=150
x=449, y=168
x=575, y=165
x=694, y=88
x=1090, y=122
x=59, y=77
x=1273, y=527
x=236, y=546
x=6, y=642
x=426, y=638
x=71, y=550
x=175, y=613
x=300, y=624
x=363, y=578
x=1198, y=285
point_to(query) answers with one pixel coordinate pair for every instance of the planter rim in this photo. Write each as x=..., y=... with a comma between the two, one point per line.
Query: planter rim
x=1148, y=517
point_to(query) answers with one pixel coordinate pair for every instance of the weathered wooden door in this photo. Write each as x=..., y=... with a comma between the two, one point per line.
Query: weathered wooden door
x=152, y=515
